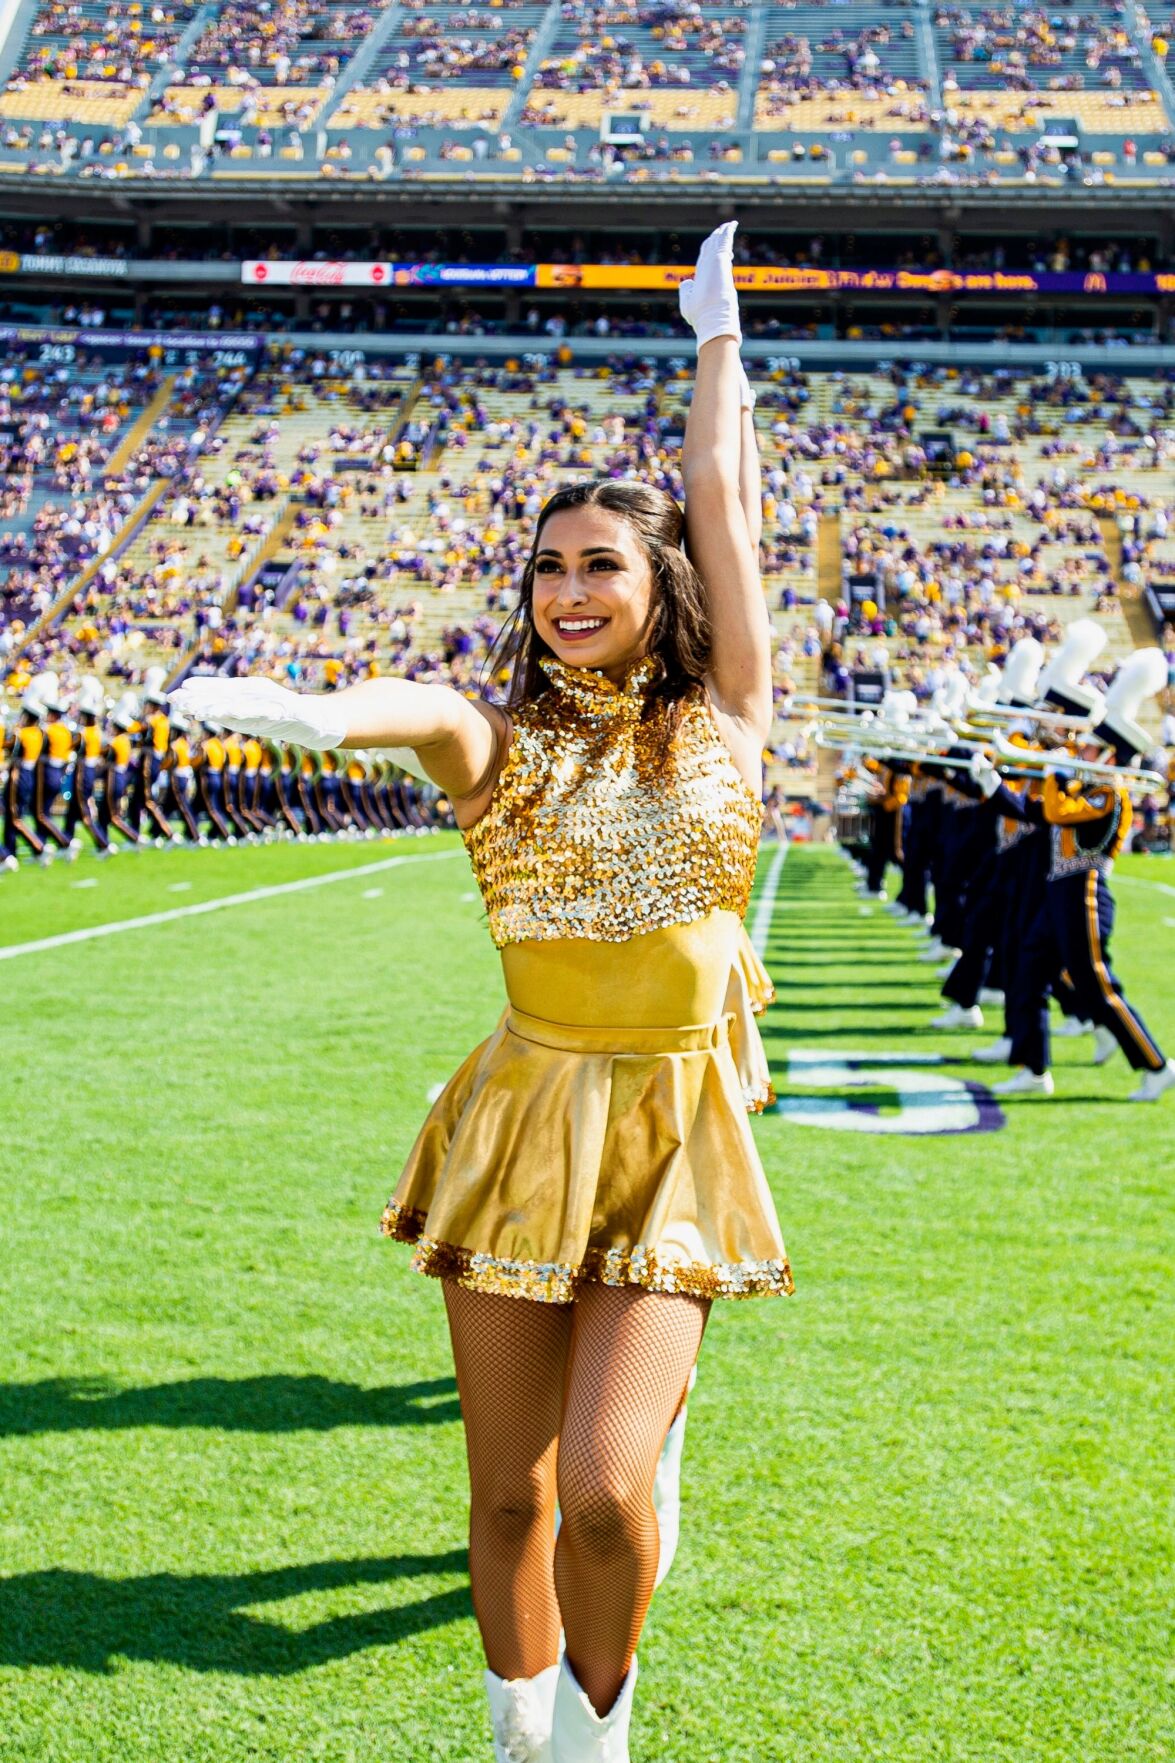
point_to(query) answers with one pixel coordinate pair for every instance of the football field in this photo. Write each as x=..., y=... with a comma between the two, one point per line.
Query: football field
x=928, y=1500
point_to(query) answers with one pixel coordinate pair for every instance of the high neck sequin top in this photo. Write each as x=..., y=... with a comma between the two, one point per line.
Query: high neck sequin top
x=604, y=825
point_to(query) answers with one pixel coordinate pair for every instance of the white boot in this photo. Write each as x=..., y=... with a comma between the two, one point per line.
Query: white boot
x=667, y=1488
x=1069, y=1028
x=578, y=1734
x=1152, y=1086
x=996, y=1054
x=522, y=1712
x=959, y=1016
x=1025, y=1083
x=1105, y=1045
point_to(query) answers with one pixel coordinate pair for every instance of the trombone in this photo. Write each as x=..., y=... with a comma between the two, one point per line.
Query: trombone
x=993, y=714
x=1024, y=760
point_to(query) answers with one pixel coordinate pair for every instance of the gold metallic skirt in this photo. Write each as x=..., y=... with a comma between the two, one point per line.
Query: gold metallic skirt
x=563, y=1153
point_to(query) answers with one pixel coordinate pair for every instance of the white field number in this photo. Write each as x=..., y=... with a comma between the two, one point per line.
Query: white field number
x=920, y=1098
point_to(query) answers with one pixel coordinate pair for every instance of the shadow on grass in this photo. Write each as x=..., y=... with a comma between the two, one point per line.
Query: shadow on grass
x=275, y=1403
x=86, y=1621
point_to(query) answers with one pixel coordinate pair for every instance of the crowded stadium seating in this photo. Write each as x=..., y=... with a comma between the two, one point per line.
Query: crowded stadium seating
x=849, y=91
x=298, y=516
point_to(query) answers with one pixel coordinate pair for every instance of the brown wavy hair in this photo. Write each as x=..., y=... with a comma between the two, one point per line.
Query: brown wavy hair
x=679, y=635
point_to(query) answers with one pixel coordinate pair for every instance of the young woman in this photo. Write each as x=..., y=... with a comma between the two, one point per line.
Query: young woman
x=587, y=1184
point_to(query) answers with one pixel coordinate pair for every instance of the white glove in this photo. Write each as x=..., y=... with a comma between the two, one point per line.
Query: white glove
x=262, y=707
x=984, y=773
x=746, y=393
x=709, y=300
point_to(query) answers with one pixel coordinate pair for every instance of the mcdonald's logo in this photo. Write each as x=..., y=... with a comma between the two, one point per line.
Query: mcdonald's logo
x=1095, y=284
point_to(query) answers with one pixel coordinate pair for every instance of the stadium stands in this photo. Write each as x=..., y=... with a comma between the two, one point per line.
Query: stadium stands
x=290, y=522
x=847, y=92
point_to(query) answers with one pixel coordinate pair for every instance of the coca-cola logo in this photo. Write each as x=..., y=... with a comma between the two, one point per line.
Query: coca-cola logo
x=319, y=275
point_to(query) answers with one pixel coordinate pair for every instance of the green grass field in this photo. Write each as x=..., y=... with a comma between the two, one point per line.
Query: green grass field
x=928, y=1500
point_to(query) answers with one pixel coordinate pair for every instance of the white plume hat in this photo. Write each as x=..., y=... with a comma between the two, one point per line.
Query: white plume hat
x=1140, y=676
x=1018, y=680
x=950, y=697
x=898, y=706
x=1060, y=684
x=988, y=687
x=153, y=685
x=91, y=698
x=47, y=689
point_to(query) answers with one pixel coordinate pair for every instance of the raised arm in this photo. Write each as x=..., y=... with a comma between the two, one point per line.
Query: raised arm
x=750, y=476
x=717, y=520
x=456, y=739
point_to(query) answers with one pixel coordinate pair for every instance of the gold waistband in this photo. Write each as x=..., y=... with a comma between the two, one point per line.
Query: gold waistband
x=572, y=1038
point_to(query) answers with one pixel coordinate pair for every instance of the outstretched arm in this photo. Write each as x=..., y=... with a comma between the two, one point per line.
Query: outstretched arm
x=717, y=521
x=750, y=477
x=455, y=738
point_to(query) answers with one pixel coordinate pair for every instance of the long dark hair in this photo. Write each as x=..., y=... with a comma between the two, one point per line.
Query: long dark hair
x=679, y=635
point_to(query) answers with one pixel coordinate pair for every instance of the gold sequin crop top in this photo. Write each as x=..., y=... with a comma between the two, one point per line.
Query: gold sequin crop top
x=602, y=826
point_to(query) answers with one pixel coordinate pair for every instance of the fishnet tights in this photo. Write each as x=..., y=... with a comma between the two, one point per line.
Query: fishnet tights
x=570, y=1402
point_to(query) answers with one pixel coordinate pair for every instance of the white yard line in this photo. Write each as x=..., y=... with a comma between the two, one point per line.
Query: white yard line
x=765, y=902
x=1141, y=881
x=8, y=952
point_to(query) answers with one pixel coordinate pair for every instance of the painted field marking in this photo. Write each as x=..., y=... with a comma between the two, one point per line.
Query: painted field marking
x=372, y=894
x=89, y=881
x=765, y=904
x=179, y=887
x=928, y=1101
x=8, y=952
x=1141, y=881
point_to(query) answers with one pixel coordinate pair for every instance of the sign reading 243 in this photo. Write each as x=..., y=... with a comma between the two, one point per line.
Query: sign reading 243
x=919, y=1097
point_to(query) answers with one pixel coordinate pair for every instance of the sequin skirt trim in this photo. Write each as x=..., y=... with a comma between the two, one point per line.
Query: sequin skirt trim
x=559, y=1155
x=558, y=1282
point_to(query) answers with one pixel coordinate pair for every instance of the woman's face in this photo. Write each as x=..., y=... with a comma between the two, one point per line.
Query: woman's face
x=593, y=590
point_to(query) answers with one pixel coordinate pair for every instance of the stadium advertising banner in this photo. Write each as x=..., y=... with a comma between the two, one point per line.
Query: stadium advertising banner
x=319, y=274
x=646, y=277
x=774, y=279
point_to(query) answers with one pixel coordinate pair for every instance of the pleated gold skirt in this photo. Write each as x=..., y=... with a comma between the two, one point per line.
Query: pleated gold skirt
x=566, y=1152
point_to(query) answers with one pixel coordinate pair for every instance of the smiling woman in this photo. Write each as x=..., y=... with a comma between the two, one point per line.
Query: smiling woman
x=587, y=1184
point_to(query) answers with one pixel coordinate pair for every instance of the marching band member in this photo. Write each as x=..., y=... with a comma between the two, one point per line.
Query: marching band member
x=235, y=812
x=1088, y=821
x=116, y=777
x=154, y=745
x=327, y=794
x=251, y=764
x=283, y=776
x=209, y=761
x=87, y=767
x=54, y=762
x=181, y=777
x=20, y=788
x=307, y=788
x=981, y=899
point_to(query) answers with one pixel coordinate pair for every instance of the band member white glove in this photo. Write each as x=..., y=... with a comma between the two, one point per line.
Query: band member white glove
x=984, y=773
x=262, y=707
x=709, y=300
